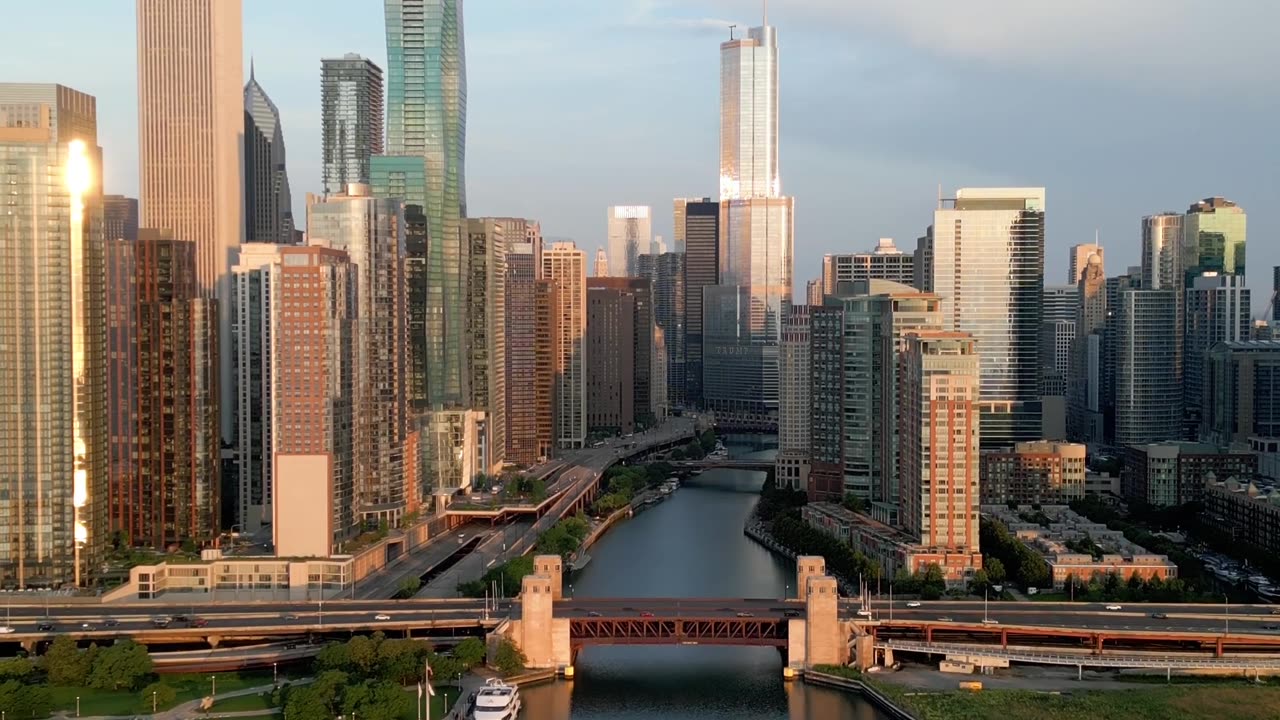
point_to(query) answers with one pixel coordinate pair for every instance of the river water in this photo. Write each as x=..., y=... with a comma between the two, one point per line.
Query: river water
x=689, y=546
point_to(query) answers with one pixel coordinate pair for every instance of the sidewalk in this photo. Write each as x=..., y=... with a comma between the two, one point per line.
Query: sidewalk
x=191, y=708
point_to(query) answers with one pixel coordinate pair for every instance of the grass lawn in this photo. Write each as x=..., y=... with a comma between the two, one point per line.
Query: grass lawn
x=188, y=687
x=243, y=702
x=1187, y=702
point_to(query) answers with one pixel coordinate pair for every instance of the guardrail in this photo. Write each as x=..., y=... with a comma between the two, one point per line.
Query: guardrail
x=1057, y=658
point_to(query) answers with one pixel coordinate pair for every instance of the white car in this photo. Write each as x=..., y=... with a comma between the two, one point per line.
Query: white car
x=913, y=604
x=382, y=616
x=990, y=621
x=5, y=630
x=864, y=613
x=1114, y=607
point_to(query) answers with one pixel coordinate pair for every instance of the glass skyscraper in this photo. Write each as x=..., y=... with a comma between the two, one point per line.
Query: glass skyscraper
x=987, y=265
x=749, y=116
x=351, y=118
x=1213, y=236
x=268, y=204
x=427, y=118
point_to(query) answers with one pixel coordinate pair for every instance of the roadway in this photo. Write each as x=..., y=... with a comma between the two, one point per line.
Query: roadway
x=582, y=469
x=386, y=582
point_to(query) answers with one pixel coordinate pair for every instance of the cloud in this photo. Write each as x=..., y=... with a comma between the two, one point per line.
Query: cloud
x=1184, y=44
x=658, y=15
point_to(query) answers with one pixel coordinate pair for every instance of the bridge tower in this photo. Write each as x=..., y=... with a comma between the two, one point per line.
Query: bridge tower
x=542, y=637
x=808, y=566
x=551, y=566
x=825, y=643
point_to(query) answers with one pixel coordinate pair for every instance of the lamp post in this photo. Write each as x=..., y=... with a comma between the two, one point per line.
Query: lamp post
x=1226, y=615
x=213, y=685
x=77, y=706
x=153, y=703
x=275, y=674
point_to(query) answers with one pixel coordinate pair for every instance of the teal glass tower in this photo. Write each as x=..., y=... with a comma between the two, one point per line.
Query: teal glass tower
x=427, y=119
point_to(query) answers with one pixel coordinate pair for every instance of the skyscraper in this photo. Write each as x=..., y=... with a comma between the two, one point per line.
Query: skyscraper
x=1217, y=311
x=524, y=267
x=885, y=262
x=1148, y=397
x=749, y=116
x=667, y=273
x=548, y=366
x=1213, y=238
x=175, y=493
x=350, y=118
x=1115, y=286
x=1242, y=393
x=1079, y=260
x=701, y=270
x=487, y=334
x=190, y=141
x=755, y=260
x=251, y=358
x=312, y=424
x=120, y=230
x=1057, y=333
x=630, y=234
x=939, y=391
x=1162, y=269
x=54, y=461
x=987, y=262
x=601, y=268
x=794, y=405
x=566, y=265
x=1085, y=399
x=268, y=204
x=610, y=342
x=427, y=119
x=371, y=231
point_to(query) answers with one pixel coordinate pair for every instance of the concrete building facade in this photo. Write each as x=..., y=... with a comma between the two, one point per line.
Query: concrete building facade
x=885, y=262
x=524, y=268
x=566, y=265
x=1034, y=473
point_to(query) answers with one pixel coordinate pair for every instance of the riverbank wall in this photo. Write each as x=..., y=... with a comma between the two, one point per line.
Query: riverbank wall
x=869, y=693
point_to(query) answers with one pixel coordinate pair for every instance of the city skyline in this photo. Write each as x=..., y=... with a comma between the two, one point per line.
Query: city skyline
x=1085, y=160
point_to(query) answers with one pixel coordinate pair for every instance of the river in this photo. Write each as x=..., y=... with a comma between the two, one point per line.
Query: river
x=689, y=546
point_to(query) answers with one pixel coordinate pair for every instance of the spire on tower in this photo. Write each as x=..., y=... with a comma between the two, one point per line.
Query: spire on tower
x=766, y=13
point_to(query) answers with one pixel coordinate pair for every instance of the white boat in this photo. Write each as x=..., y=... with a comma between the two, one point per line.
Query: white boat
x=497, y=701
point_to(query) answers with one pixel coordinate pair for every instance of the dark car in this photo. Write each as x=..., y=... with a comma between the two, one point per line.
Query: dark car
x=45, y=627
x=199, y=622
x=1271, y=627
x=592, y=613
x=179, y=618
x=791, y=613
x=111, y=622
x=1159, y=616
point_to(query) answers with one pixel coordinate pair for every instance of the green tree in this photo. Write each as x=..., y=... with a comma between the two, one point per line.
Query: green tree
x=995, y=569
x=164, y=695
x=121, y=666
x=933, y=583
x=409, y=587
x=334, y=656
x=364, y=654
x=470, y=652
x=376, y=700
x=980, y=582
x=65, y=664
x=24, y=700
x=16, y=668
x=508, y=658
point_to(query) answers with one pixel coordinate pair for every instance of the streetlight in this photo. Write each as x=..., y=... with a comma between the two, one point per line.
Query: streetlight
x=153, y=703
x=275, y=674
x=213, y=690
x=1226, y=614
x=77, y=706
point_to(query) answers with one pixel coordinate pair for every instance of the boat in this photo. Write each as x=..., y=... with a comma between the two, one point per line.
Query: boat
x=497, y=701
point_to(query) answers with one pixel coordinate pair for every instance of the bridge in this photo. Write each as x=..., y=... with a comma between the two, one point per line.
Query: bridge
x=722, y=463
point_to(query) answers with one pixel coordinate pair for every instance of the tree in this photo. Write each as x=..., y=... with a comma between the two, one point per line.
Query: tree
x=509, y=659
x=409, y=586
x=121, y=666
x=24, y=700
x=16, y=668
x=470, y=652
x=933, y=583
x=164, y=695
x=376, y=700
x=980, y=582
x=65, y=664
x=995, y=569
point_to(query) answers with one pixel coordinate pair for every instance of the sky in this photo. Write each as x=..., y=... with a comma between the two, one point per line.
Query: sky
x=1119, y=109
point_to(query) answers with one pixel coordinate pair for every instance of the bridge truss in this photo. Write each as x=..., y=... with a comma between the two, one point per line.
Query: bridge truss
x=677, y=631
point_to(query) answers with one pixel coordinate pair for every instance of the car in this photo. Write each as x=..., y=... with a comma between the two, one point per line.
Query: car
x=791, y=613
x=199, y=622
x=990, y=621
x=462, y=538
x=1271, y=626
x=645, y=613
x=45, y=627
x=913, y=604
x=160, y=622
x=382, y=616
x=111, y=622
x=1114, y=607
x=179, y=618
x=593, y=613
x=1159, y=616
x=945, y=618
x=745, y=614
x=86, y=626
x=864, y=613
x=291, y=646
x=1276, y=611
x=290, y=616
x=5, y=630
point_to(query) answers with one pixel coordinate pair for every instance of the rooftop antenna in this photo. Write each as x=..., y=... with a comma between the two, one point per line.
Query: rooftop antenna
x=939, y=196
x=766, y=13
x=1095, y=237
x=731, y=27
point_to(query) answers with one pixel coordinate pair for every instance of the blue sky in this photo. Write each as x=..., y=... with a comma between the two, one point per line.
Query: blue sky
x=1120, y=109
